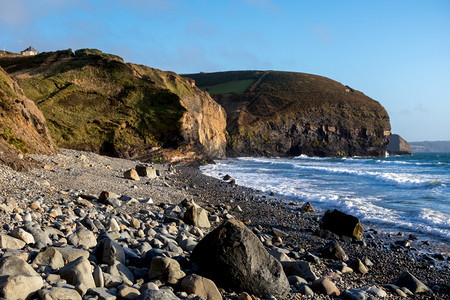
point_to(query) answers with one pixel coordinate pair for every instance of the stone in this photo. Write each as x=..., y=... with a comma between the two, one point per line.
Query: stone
x=117, y=269
x=165, y=269
x=98, y=277
x=299, y=268
x=279, y=233
x=354, y=294
x=107, y=251
x=102, y=294
x=233, y=257
x=83, y=238
x=105, y=195
x=78, y=271
x=413, y=284
x=130, y=293
x=131, y=174
x=279, y=254
x=307, y=207
x=9, y=242
x=376, y=291
x=59, y=293
x=23, y=235
x=196, y=216
x=305, y=290
x=18, y=280
x=358, y=266
x=50, y=257
x=163, y=294
x=146, y=170
x=325, y=286
x=188, y=244
x=39, y=235
x=70, y=254
x=201, y=286
x=342, y=224
x=334, y=251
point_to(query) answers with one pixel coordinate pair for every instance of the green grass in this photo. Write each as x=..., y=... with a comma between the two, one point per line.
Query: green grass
x=230, y=87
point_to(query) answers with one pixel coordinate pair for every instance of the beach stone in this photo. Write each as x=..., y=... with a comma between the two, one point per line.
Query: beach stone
x=376, y=291
x=333, y=250
x=59, y=293
x=188, y=244
x=296, y=281
x=325, y=286
x=354, y=294
x=358, y=267
x=196, y=216
x=146, y=170
x=131, y=174
x=162, y=294
x=23, y=235
x=98, y=277
x=104, y=195
x=232, y=256
x=307, y=207
x=413, y=284
x=201, y=286
x=83, y=238
x=9, y=242
x=342, y=224
x=50, y=257
x=78, y=271
x=117, y=269
x=299, y=268
x=279, y=254
x=165, y=269
x=279, y=233
x=101, y=294
x=343, y=268
x=39, y=235
x=107, y=251
x=70, y=254
x=18, y=280
x=304, y=289
x=130, y=293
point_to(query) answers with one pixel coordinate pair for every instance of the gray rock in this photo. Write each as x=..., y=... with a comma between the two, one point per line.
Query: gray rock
x=334, y=251
x=118, y=269
x=325, y=286
x=201, y=286
x=102, y=293
x=83, y=238
x=13, y=265
x=358, y=266
x=59, y=293
x=131, y=174
x=162, y=294
x=232, y=256
x=413, y=284
x=50, y=257
x=39, y=235
x=9, y=242
x=355, y=294
x=23, y=235
x=165, y=269
x=299, y=268
x=107, y=251
x=196, y=216
x=98, y=277
x=126, y=292
x=146, y=170
x=78, y=271
x=70, y=254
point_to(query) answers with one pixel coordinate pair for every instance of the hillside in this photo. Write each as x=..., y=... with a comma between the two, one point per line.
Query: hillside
x=427, y=146
x=398, y=146
x=95, y=101
x=273, y=113
x=23, y=128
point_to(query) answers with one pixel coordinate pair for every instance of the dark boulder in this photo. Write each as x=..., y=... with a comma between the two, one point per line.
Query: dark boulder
x=342, y=224
x=233, y=257
x=334, y=251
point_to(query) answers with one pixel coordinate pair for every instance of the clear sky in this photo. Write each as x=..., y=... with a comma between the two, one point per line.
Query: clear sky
x=395, y=51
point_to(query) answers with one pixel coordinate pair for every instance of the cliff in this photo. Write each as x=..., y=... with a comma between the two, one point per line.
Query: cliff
x=96, y=102
x=430, y=146
x=22, y=126
x=288, y=114
x=398, y=146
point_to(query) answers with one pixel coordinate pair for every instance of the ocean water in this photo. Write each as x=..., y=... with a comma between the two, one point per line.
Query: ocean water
x=397, y=193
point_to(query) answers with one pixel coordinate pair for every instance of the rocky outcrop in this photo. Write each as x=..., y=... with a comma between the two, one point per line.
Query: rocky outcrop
x=96, y=102
x=23, y=127
x=398, y=146
x=288, y=114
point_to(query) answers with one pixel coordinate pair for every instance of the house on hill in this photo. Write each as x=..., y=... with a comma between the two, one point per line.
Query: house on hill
x=29, y=51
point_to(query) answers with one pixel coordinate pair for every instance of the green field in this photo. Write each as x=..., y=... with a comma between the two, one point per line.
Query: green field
x=230, y=87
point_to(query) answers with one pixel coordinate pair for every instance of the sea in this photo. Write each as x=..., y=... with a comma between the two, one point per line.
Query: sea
x=394, y=194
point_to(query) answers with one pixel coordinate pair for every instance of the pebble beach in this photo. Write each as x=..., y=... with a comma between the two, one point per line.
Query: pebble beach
x=57, y=219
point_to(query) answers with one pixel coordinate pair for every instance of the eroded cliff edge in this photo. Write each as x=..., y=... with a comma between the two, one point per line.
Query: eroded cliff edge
x=96, y=102
x=288, y=114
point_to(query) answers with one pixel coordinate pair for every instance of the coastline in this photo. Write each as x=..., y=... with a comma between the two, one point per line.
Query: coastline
x=73, y=173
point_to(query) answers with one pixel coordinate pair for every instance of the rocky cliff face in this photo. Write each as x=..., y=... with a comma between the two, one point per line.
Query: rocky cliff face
x=289, y=114
x=398, y=146
x=96, y=102
x=22, y=126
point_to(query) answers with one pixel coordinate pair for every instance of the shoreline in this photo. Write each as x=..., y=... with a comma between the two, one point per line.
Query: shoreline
x=72, y=173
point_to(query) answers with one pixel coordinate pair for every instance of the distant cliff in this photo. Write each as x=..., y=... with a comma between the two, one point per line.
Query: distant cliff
x=287, y=114
x=398, y=146
x=23, y=127
x=426, y=146
x=96, y=102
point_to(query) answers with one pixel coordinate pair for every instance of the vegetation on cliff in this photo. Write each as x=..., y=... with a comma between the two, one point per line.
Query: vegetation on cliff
x=95, y=101
x=284, y=113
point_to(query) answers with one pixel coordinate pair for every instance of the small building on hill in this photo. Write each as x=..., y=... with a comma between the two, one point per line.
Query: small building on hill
x=29, y=51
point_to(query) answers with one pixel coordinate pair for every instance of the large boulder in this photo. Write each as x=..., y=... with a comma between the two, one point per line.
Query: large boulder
x=410, y=282
x=233, y=257
x=18, y=280
x=78, y=272
x=342, y=224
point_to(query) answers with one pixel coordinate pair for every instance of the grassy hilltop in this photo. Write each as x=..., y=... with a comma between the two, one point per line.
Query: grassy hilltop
x=285, y=113
x=95, y=101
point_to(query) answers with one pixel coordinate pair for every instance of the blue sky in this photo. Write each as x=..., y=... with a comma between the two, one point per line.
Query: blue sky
x=396, y=52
